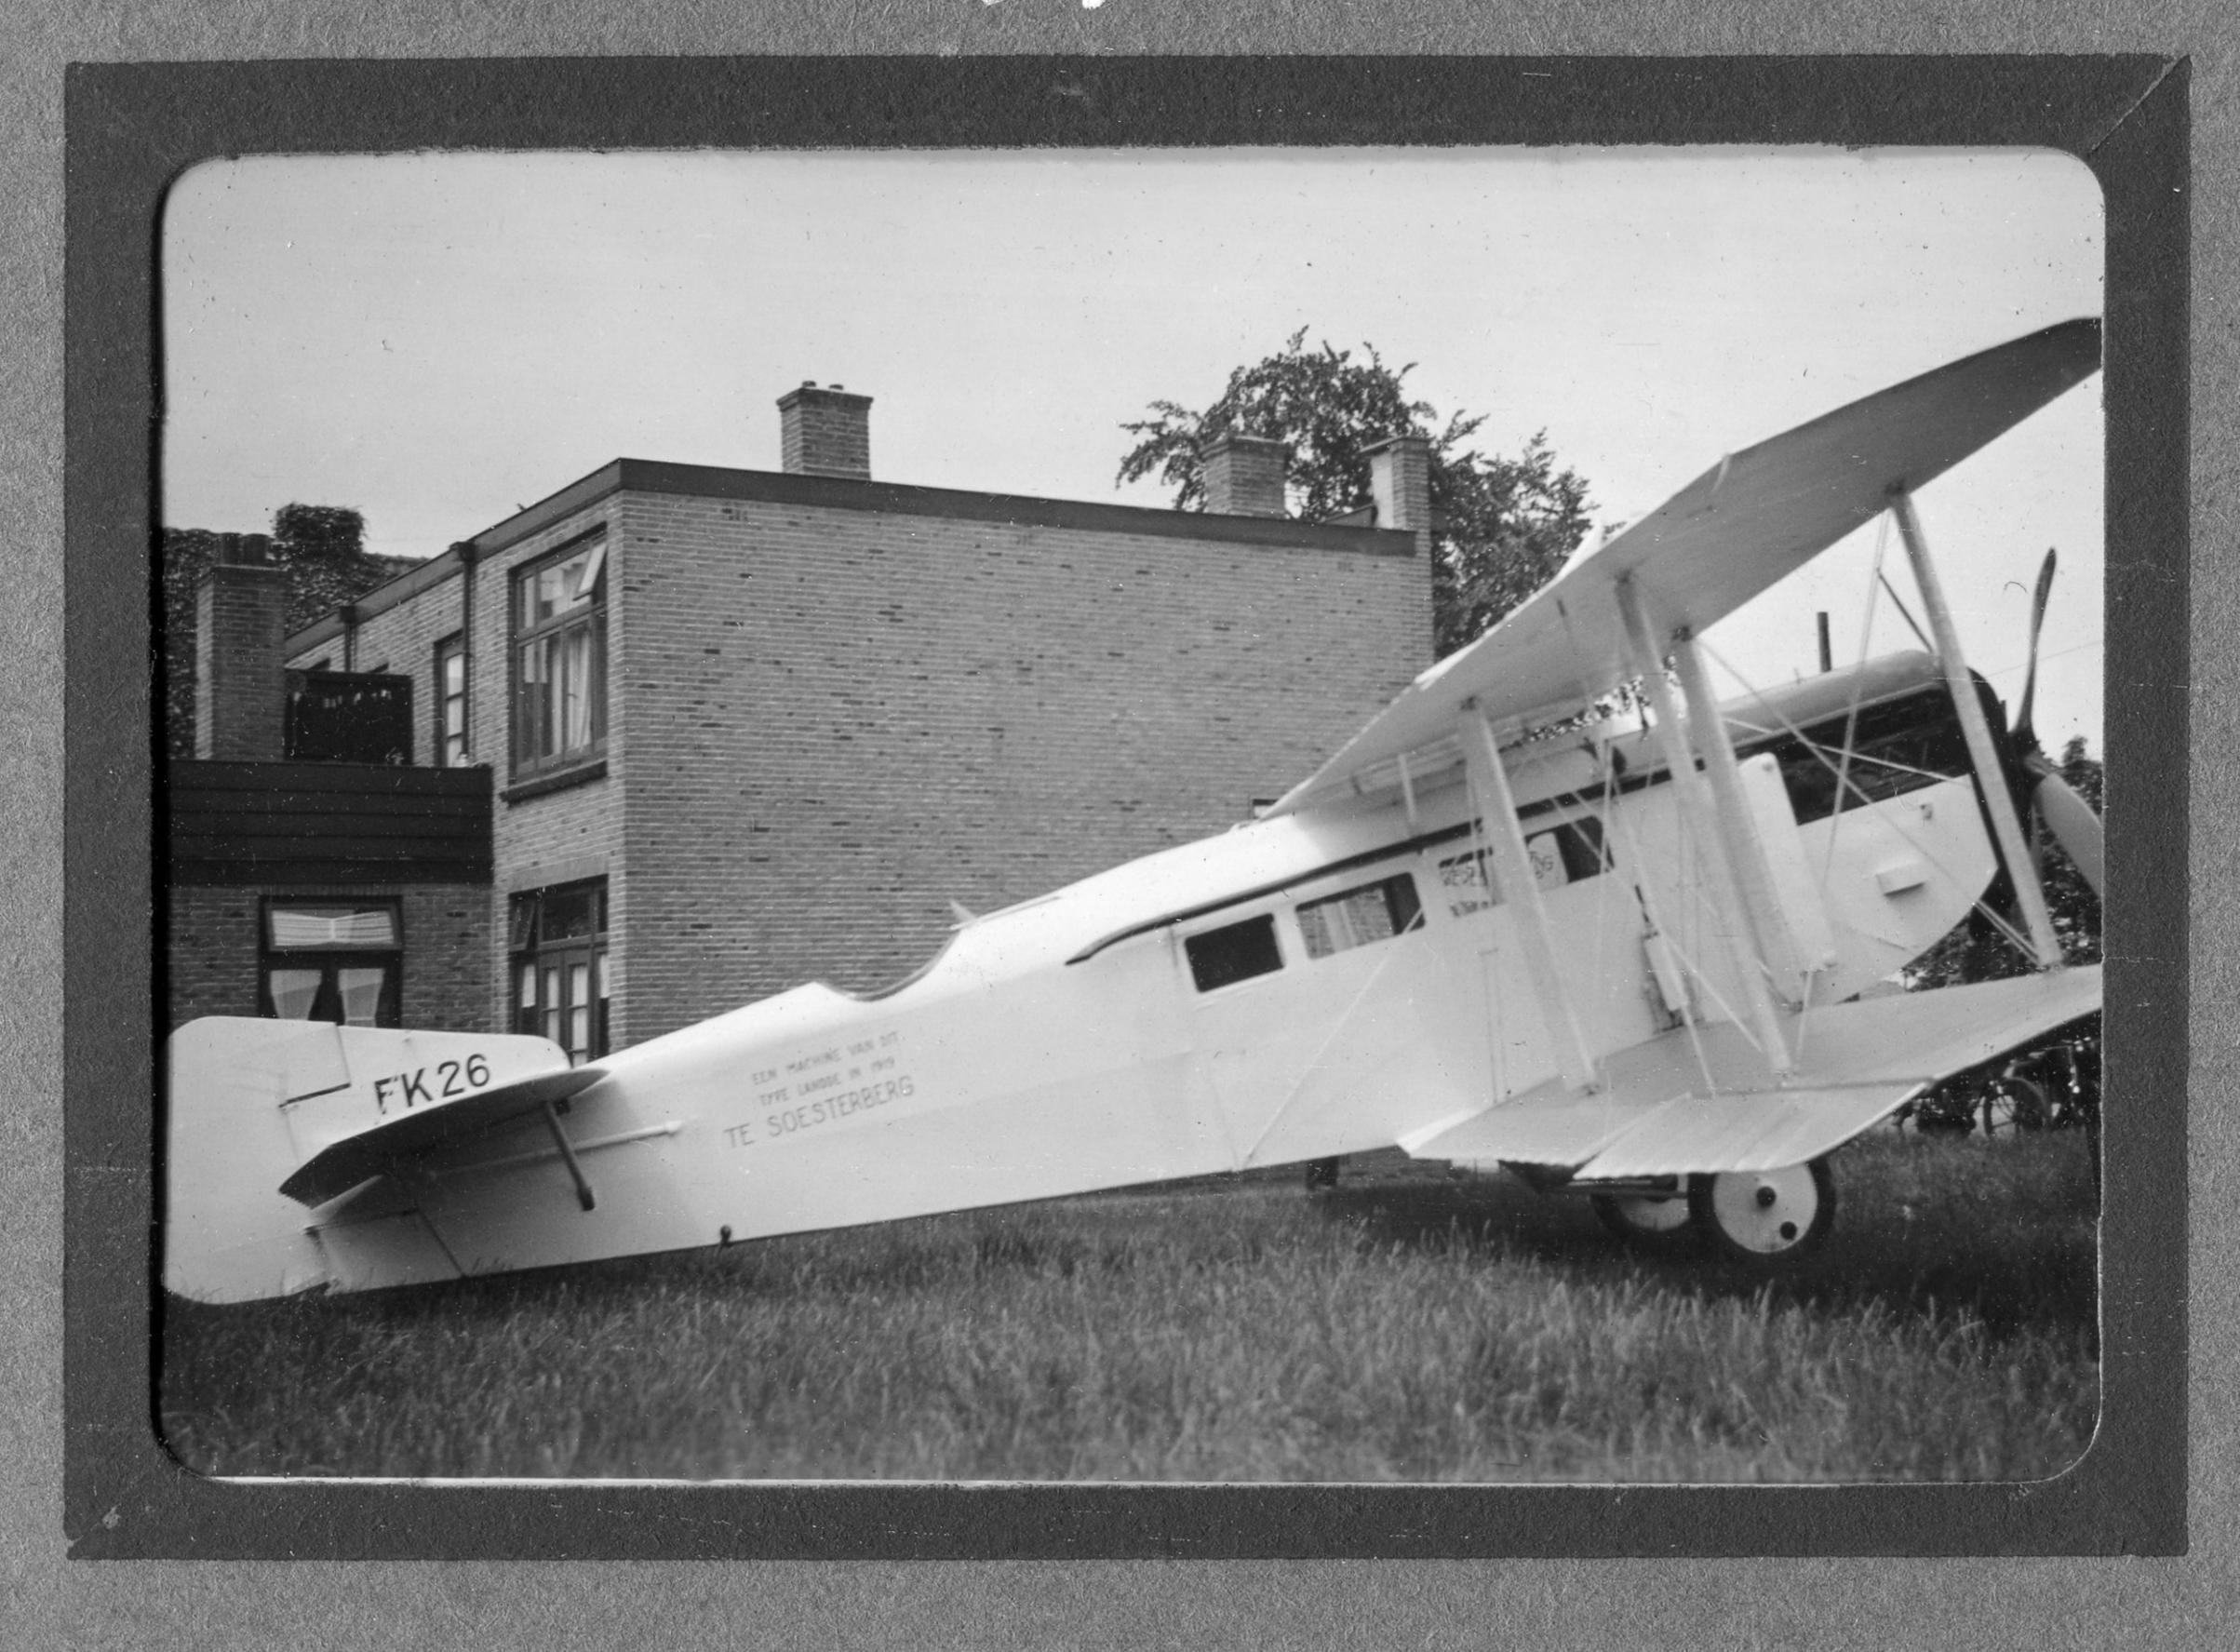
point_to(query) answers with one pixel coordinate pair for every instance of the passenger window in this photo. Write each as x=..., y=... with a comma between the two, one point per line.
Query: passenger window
x=1561, y=854
x=1238, y=952
x=1374, y=912
x=1568, y=853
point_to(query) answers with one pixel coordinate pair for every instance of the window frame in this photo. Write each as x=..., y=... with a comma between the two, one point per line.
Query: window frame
x=331, y=959
x=1265, y=921
x=526, y=631
x=536, y=962
x=448, y=649
x=1386, y=887
x=1465, y=883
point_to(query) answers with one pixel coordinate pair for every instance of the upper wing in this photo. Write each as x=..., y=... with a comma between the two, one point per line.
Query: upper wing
x=1744, y=525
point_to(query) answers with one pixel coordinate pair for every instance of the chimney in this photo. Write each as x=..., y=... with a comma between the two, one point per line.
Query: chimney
x=825, y=432
x=240, y=621
x=1399, y=483
x=1244, y=476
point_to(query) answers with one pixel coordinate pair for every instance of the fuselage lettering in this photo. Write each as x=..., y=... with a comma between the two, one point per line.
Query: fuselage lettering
x=452, y=1079
x=828, y=1108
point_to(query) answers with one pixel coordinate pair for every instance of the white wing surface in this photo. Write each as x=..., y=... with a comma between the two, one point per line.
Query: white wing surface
x=1743, y=526
x=1678, y=1106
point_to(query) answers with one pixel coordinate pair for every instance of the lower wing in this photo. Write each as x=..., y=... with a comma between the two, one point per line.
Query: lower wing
x=1695, y=1102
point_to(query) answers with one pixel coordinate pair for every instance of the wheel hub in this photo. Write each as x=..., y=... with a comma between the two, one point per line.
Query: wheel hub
x=1765, y=1212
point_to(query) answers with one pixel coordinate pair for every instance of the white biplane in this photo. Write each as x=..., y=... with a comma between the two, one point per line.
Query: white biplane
x=1627, y=954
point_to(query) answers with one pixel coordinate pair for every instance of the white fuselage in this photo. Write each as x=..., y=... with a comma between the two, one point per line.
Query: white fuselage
x=1066, y=1043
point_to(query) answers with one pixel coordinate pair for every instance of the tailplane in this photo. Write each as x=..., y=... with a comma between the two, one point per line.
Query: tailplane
x=263, y=1113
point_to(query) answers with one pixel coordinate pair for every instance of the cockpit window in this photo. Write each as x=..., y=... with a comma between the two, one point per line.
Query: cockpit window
x=1372, y=912
x=1234, y=952
x=1561, y=854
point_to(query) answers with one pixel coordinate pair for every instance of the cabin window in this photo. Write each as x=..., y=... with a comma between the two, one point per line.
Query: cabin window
x=1561, y=854
x=1374, y=912
x=1235, y=952
x=332, y=960
x=560, y=661
x=1567, y=852
x=560, y=967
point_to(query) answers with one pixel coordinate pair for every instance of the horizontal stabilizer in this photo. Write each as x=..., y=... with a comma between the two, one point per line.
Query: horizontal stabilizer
x=265, y=1115
x=1678, y=1107
x=334, y=1170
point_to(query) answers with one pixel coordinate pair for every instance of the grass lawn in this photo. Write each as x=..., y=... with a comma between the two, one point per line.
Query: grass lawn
x=1402, y=1326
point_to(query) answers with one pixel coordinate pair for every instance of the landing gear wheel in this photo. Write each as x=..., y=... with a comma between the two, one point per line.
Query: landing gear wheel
x=1767, y=1218
x=1654, y=1226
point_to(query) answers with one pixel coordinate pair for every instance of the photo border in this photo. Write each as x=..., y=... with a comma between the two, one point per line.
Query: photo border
x=132, y=129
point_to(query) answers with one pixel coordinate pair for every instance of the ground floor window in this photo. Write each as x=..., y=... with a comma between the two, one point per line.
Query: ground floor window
x=560, y=967
x=332, y=960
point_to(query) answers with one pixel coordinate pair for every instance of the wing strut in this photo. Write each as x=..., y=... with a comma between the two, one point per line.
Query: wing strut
x=1998, y=801
x=1520, y=891
x=1707, y=731
x=1703, y=816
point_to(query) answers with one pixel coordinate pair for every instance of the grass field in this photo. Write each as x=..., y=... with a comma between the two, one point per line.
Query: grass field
x=1404, y=1327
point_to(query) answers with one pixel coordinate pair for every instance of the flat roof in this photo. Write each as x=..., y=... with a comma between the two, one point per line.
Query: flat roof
x=710, y=481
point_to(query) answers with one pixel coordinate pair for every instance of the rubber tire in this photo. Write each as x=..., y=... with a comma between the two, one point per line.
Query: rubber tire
x=1676, y=1237
x=1708, y=1193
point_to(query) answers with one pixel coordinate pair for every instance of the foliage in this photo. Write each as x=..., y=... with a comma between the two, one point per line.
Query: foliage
x=1503, y=527
x=1402, y=1325
x=319, y=550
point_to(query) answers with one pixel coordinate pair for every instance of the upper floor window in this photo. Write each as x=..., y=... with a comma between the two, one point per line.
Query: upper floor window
x=451, y=702
x=560, y=660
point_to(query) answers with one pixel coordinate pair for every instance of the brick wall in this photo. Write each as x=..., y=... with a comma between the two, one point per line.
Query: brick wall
x=239, y=612
x=839, y=720
x=825, y=723
x=560, y=837
x=214, y=951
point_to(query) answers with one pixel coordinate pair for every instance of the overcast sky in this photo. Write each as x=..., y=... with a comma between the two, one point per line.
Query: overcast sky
x=439, y=340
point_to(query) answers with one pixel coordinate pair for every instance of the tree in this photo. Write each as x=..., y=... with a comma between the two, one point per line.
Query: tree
x=1502, y=526
x=320, y=551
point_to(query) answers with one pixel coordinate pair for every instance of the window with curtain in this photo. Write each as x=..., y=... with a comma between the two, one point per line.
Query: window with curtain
x=332, y=960
x=560, y=967
x=560, y=661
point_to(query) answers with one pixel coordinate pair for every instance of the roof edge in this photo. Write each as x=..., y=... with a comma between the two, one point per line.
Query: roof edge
x=650, y=476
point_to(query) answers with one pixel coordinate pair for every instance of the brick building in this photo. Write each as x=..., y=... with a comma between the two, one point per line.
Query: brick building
x=308, y=878
x=752, y=728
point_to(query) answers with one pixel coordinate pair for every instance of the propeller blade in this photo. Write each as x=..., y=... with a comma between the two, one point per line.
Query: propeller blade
x=2073, y=826
x=2024, y=733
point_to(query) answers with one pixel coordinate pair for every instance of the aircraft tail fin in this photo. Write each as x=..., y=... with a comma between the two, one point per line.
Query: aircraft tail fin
x=266, y=1118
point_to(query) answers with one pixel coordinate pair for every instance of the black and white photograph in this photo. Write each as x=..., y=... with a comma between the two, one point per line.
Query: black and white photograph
x=1232, y=815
